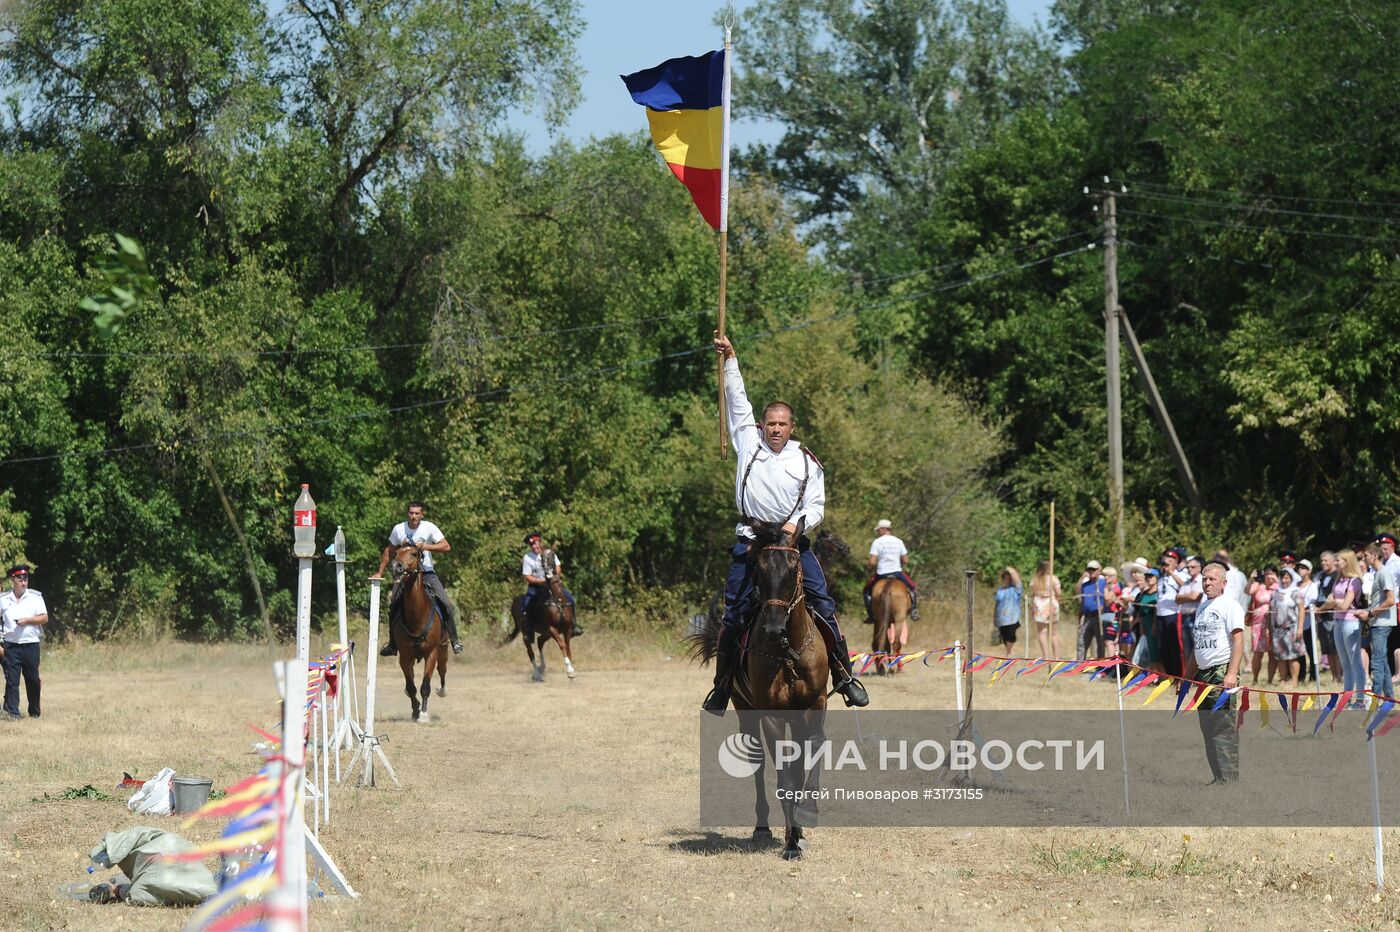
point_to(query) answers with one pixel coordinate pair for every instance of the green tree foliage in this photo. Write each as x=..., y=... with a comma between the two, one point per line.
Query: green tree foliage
x=357, y=281
x=333, y=269
x=1257, y=258
x=878, y=101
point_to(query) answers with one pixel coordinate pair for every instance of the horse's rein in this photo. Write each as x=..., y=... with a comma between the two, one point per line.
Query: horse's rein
x=793, y=654
x=799, y=594
x=405, y=580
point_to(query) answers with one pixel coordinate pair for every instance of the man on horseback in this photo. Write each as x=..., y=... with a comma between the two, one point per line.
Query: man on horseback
x=428, y=538
x=889, y=559
x=776, y=480
x=532, y=570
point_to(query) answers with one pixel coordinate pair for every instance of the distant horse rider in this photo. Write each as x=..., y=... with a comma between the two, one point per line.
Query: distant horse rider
x=532, y=569
x=776, y=480
x=889, y=559
x=428, y=538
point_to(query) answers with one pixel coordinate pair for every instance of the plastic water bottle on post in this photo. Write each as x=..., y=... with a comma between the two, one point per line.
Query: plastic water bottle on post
x=305, y=524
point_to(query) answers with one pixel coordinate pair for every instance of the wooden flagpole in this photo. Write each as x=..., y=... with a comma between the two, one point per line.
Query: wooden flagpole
x=724, y=235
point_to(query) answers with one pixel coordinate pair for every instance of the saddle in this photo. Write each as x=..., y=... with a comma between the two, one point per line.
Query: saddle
x=396, y=610
x=517, y=609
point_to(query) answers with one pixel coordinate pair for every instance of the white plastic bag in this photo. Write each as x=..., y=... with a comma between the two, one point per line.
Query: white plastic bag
x=153, y=798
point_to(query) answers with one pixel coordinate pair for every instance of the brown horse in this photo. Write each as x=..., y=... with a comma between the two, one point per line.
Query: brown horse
x=889, y=604
x=551, y=617
x=420, y=634
x=783, y=668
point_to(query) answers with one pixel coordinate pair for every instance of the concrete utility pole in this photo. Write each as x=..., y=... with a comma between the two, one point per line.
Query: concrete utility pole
x=1115, y=399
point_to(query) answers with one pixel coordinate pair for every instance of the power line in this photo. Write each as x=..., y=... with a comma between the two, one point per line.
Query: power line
x=1256, y=208
x=1232, y=225
x=1312, y=199
x=1165, y=251
x=791, y=297
x=541, y=383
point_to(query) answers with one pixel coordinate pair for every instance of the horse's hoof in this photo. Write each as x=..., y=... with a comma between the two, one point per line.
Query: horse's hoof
x=415, y=716
x=792, y=854
x=572, y=674
x=762, y=835
x=537, y=678
x=424, y=719
x=442, y=690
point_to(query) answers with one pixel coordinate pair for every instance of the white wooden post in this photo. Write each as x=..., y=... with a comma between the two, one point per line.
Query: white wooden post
x=288, y=899
x=341, y=707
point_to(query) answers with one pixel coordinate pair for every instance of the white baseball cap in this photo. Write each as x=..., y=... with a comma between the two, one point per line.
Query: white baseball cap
x=1094, y=565
x=883, y=524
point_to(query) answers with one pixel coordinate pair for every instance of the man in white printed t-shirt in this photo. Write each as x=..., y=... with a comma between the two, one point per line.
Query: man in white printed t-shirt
x=889, y=558
x=1218, y=635
x=429, y=540
x=23, y=615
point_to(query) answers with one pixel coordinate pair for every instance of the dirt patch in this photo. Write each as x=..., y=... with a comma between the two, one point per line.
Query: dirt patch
x=573, y=804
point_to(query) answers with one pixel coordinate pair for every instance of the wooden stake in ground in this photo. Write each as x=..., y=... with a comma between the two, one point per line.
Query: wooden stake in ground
x=965, y=729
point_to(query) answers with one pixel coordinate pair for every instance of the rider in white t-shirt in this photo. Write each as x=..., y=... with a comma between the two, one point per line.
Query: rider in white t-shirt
x=889, y=558
x=429, y=540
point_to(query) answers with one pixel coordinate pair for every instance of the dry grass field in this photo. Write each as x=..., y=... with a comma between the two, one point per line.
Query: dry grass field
x=574, y=805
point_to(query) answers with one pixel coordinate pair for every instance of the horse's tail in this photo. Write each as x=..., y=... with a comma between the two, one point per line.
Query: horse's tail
x=515, y=629
x=704, y=644
x=515, y=633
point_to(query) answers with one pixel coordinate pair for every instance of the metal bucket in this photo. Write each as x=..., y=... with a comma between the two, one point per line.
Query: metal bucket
x=189, y=793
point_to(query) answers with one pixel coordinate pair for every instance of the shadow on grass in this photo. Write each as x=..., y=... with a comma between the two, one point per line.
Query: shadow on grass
x=688, y=842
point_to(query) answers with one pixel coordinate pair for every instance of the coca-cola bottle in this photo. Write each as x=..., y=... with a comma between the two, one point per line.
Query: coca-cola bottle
x=304, y=524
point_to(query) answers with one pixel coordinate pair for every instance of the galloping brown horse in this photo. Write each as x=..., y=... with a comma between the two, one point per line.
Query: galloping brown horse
x=551, y=617
x=783, y=668
x=889, y=604
x=420, y=634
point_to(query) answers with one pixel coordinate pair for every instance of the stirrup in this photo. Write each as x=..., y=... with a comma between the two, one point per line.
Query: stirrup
x=853, y=691
x=456, y=647
x=716, y=701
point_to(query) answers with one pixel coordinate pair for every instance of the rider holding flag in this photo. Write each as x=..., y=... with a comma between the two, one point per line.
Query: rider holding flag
x=776, y=480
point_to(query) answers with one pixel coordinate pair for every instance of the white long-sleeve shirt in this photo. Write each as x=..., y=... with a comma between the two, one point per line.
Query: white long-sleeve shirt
x=776, y=478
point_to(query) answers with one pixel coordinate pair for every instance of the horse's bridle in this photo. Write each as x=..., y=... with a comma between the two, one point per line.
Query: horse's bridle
x=793, y=654
x=799, y=594
x=404, y=579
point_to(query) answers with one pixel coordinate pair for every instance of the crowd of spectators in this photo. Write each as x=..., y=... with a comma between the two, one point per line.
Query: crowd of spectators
x=1146, y=614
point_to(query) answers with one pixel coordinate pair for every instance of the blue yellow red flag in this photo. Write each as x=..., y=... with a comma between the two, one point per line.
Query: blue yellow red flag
x=687, y=101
